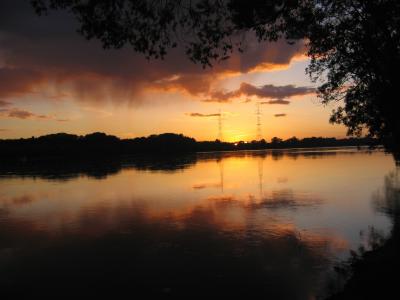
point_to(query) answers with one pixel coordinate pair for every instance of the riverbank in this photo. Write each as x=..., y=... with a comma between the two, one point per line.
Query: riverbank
x=99, y=144
x=375, y=274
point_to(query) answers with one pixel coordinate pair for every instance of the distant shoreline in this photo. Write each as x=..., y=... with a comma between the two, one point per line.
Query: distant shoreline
x=300, y=149
x=98, y=144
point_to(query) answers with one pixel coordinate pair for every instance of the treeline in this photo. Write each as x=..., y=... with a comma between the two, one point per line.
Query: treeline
x=98, y=144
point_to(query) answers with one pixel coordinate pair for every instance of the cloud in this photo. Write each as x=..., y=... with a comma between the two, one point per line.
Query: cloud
x=45, y=56
x=21, y=114
x=4, y=103
x=203, y=115
x=283, y=102
x=278, y=93
x=275, y=92
x=279, y=115
x=16, y=82
x=201, y=186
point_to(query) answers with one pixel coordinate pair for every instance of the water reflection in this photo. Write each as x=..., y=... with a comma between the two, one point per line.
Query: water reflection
x=387, y=199
x=59, y=169
x=55, y=169
x=373, y=274
x=125, y=246
x=219, y=222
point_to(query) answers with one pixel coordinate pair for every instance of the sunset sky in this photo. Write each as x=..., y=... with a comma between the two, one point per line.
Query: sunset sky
x=53, y=80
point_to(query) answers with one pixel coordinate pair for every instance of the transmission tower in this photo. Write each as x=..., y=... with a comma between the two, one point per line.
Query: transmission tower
x=258, y=114
x=220, y=125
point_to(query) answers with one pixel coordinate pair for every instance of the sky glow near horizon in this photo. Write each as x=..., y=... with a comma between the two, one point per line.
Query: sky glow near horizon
x=53, y=80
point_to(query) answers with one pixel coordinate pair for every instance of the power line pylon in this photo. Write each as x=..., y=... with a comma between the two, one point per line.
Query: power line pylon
x=220, y=125
x=258, y=114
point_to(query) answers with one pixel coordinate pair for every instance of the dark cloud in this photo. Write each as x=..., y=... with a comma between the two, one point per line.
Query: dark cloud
x=278, y=93
x=45, y=56
x=279, y=115
x=203, y=115
x=201, y=186
x=18, y=81
x=19, y=113
x=283, y=102
x=22, y=114
x=275, y=92
x=4, y=103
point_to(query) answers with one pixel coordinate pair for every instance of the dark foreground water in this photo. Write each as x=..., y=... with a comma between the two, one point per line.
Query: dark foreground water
x=271, y=223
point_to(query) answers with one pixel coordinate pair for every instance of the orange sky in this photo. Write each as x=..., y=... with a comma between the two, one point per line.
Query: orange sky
x=53, y=80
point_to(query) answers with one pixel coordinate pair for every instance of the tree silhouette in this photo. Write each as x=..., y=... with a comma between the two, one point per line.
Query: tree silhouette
x=353, y=44
x=100, y=145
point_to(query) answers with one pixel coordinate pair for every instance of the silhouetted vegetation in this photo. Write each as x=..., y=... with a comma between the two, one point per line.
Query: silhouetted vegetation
x=99, y=144
x=353, y=45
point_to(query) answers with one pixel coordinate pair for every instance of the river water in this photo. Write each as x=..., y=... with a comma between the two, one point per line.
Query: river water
x=271, y=222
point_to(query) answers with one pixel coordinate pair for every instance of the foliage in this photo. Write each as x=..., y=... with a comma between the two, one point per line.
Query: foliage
x=353, y=44
x=99, y=144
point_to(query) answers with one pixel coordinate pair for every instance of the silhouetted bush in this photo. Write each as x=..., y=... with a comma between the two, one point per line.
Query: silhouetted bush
x=100, y=144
